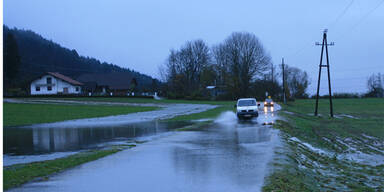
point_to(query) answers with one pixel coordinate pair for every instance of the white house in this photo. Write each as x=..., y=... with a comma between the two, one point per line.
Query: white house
x=55, y=83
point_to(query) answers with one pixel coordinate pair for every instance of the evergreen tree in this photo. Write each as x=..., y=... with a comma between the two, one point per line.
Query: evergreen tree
x=133, y=85
x=11, y=58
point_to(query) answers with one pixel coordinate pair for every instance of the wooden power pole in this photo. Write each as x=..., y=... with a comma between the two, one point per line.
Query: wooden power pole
x=324, y=44
x=283, y=66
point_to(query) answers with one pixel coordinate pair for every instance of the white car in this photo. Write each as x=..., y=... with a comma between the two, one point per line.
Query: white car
x=247, y=108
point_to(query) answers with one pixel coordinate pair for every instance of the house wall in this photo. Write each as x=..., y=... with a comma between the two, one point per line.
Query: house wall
x=57, y=85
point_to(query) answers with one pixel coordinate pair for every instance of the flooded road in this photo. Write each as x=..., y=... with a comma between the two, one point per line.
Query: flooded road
x=28, y=144
x=32, y=141
x=228, y=156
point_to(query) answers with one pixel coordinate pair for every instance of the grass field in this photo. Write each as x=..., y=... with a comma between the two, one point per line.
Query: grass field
x=367, y=117
x=358, y=128
x=26, y=114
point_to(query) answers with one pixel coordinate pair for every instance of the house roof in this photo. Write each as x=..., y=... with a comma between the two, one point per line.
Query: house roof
x=114, y=80
x=64, y=78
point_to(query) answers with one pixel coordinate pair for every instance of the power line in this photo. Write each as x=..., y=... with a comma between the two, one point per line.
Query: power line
x=341, y=14
x=309, y=44
x=359, y=21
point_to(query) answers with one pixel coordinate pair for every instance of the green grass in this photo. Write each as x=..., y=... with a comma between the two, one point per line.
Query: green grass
x=196, y=126
x=16, y=175
x=367, y=107
x=369, y=114
x=26, y=114
x=209, y=114
x=288, y=181
x=321, y=172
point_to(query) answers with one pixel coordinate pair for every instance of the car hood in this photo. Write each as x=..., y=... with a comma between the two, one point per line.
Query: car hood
x=247, y=108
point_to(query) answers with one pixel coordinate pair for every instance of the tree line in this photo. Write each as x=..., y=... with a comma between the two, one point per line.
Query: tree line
x=238, y=67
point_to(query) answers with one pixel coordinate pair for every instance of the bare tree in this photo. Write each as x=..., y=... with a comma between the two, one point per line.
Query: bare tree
x=185, y=67
x=297, y=82
x=240, y=59
x=375, y=85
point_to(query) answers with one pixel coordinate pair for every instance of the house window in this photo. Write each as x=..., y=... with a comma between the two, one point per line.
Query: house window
x=49, y=88
x=37, y=88
x=49, y=80
x=77, y=89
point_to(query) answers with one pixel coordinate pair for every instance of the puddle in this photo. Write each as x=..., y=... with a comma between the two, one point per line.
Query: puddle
x=341, y=116
x=32, y=141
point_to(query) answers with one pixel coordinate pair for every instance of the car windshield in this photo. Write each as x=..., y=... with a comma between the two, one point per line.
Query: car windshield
x=246, y=103
x=268, y=100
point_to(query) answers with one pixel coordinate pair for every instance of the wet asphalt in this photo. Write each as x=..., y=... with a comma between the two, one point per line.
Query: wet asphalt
x=230, y=155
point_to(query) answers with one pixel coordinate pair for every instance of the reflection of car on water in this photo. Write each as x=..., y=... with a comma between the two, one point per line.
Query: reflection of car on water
x=246, y=108
x=268, y=102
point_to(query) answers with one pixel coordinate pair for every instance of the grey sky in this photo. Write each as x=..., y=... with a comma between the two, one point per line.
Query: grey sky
x=139, y=34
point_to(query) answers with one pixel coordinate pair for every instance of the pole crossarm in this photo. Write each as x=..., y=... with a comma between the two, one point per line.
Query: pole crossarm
x=329, y=44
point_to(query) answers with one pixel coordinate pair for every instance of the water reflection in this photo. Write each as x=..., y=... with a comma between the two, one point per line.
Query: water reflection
x=269, y=117
x=234, y=153
x=27, y=141
x=269, y=110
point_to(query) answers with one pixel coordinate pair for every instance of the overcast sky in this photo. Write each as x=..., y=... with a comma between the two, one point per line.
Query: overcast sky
x=139, y=34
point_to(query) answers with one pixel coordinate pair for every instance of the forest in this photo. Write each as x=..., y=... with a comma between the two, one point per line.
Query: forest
x=28, y=55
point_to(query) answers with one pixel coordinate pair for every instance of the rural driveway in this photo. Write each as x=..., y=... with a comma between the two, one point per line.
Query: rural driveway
x=227, y=156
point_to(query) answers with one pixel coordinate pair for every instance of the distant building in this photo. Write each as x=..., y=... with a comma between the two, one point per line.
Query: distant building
x=55, y=83
x=215, y=91
x=114, y=84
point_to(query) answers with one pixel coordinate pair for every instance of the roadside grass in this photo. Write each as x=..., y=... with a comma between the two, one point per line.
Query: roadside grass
x=288, y=180
x=360, y=133
x=196, y=126
x=209, y=114
x=25, y=114
x=16, y=175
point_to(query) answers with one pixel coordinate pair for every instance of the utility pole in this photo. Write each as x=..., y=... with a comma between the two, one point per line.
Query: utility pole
x=282, y=65
x=273, y=77
x=324, y=44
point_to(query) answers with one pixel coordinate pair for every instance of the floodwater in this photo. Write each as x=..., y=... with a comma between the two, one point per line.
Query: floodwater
x=32, y=141
x=28, y=144
x=230, y=155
